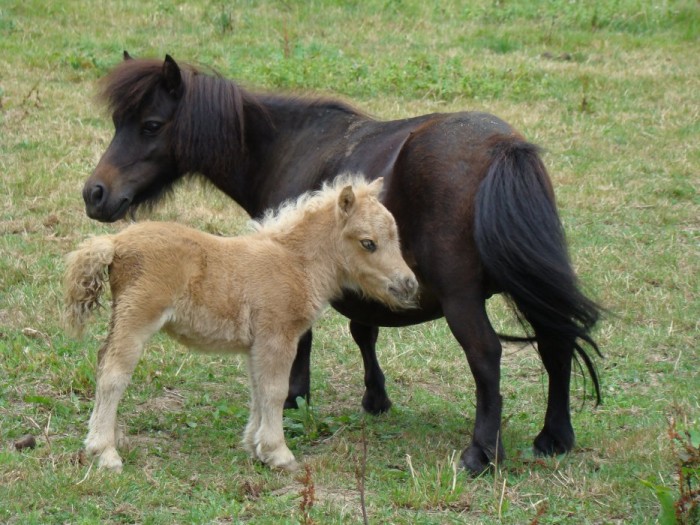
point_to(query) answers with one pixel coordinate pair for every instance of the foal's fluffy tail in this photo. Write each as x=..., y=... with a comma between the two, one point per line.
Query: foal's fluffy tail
x=522, y=245
x=84, y=280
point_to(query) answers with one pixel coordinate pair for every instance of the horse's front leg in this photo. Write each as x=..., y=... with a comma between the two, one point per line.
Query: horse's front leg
x=270, y=364
x=468, y=321
x=300, y=376
x=375, y=400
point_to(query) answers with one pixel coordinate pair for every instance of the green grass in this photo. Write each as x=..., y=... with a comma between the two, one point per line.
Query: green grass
x=609, y=89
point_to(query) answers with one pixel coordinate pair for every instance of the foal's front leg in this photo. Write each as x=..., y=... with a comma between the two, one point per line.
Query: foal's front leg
x=270, y=364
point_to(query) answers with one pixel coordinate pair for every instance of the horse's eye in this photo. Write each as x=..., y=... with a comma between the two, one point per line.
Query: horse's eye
x=368, y=245
x=151, y=127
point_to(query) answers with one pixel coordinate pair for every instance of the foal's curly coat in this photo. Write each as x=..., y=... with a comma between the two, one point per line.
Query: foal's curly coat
x=257, y=294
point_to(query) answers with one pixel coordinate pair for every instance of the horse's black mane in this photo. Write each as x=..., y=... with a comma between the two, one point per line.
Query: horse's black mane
x=127, y=87
x=304, y=102
x=214, y=107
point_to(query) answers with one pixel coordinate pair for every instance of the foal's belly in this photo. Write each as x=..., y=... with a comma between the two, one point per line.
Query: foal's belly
x=199, y=330
x=204, y=344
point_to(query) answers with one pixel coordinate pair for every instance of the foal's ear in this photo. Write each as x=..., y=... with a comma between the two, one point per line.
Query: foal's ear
x=172, y=77
x=376, y=187
x=346, y=200
x=127, y=56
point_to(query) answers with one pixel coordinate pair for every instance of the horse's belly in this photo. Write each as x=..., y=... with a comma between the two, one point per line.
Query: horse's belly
x=373, y=313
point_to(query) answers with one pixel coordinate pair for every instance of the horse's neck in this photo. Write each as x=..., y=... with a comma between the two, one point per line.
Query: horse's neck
x=292, y=149
x=278, y=157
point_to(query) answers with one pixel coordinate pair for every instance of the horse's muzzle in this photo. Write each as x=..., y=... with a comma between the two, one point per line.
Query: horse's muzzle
x=100, y=207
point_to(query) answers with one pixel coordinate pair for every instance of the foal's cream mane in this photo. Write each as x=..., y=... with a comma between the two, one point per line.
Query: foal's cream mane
x=290, y=212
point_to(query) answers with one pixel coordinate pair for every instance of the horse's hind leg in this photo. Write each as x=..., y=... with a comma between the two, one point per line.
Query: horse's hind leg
x=467, y=318
x=375, y=399
x=300, y=376
x=557, y=435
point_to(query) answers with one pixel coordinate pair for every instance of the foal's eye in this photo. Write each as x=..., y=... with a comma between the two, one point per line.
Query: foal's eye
x=151, y=127
x=368, y=245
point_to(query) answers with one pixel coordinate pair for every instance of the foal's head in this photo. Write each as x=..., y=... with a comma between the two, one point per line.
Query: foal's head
x=370, y=249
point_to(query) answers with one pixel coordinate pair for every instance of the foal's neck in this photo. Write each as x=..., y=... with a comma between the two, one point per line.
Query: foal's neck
x=314, y=244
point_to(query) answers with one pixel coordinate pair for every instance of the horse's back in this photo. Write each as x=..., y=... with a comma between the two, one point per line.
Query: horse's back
x=438, y=171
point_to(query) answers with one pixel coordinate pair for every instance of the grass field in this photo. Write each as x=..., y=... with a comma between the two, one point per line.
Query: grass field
x=610, y=89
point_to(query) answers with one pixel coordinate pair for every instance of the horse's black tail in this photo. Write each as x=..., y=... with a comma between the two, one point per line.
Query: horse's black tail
x=522, y=246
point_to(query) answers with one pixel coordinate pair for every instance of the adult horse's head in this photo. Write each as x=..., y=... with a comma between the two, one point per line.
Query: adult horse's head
x=165, y=126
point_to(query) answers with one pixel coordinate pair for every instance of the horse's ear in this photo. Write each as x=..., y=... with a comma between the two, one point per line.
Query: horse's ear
x=376, y=187
x=346, y=200
x=127, y=56
x=172, y=77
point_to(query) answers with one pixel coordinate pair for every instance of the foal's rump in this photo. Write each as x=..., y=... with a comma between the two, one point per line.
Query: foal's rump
x=146, y=248
x=84, y=280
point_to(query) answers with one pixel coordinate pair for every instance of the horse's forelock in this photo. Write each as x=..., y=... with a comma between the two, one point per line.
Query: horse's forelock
x=125, y=88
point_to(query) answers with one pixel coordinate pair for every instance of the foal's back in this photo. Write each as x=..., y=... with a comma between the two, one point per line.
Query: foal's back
x=210, y=291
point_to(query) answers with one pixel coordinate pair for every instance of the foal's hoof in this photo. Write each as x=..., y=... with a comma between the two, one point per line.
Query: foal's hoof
x=122, y=441
x=110, y=460
x=375, y=404
x=280, y=458
x=547, y=444
x=291, y=466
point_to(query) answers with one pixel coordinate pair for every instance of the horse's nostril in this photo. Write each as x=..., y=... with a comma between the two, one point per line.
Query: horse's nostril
x=97, y=193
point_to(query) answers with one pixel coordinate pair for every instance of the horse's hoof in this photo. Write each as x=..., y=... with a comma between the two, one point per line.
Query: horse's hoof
x=376, y=404
x=547, y=444
x=291, y=401
x=474, y=460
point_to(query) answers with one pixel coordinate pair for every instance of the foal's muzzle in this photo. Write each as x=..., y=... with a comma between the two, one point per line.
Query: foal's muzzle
x=405, y=290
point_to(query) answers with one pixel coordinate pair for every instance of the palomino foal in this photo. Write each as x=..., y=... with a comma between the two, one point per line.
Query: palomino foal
x=257, y=294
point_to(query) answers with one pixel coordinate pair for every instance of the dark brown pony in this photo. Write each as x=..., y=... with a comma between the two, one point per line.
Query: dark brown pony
x=472, y=199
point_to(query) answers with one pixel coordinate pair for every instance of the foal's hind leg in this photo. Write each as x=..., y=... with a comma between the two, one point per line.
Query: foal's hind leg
x=113, y=376
x=375, y=400
x=557, y=435
x=117, y=360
